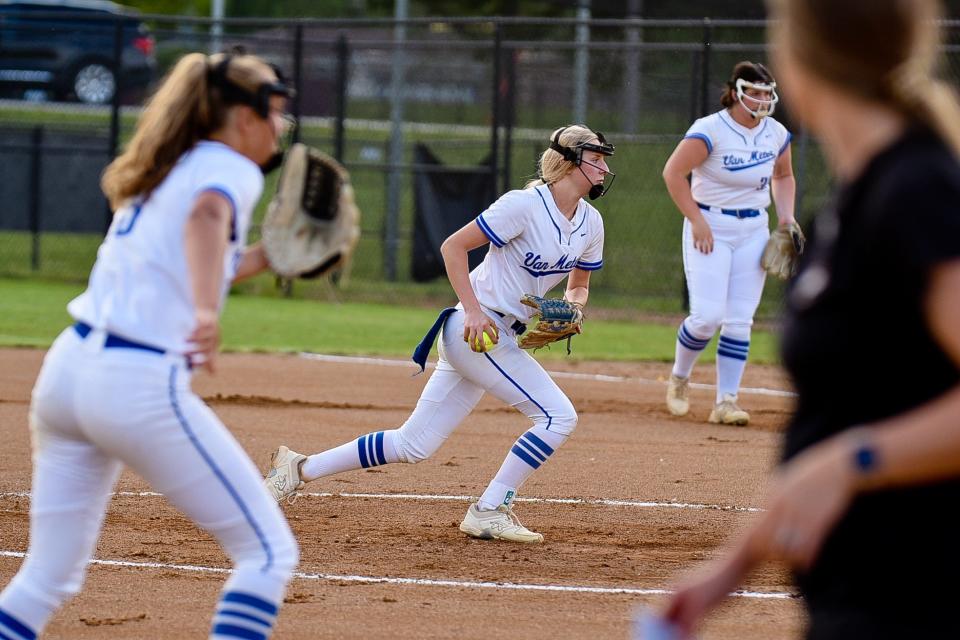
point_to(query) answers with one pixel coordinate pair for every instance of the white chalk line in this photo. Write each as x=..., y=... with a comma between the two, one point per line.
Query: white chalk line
x=468, y=499
x=422, y=582
x=596, y=377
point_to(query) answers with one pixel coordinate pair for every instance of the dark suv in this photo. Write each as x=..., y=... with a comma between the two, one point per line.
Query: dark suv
x=64, y=50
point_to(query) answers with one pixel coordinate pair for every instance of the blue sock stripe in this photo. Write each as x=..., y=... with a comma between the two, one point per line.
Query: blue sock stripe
x=734, y=343
x=734, y=347
x=522, y=390
x=523, y=455
x=373, y=461
x=251, y=601
x=736, y=355
x=244, y=616
x=690, y=345
x=16, y=626
x=689, y=337
x=234, y=494
x=362, y=450
x=532, y=450
x=382, y=458
x=233, y=631
x=532, y=437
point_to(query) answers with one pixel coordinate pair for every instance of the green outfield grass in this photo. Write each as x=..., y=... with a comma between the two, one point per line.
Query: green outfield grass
x=33, y=312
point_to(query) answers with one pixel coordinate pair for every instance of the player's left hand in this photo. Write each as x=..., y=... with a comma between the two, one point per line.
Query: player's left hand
x=701, y=591
x=807, y=498
x=206, y=339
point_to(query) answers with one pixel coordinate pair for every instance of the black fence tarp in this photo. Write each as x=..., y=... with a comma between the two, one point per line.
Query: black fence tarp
x=444, y=201
x=49, y=180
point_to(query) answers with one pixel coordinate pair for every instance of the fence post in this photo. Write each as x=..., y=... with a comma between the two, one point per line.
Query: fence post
x=297, y=77
x=36, y=140
x=632, y=66
x=801, y=171
x=581, y=61
x=510, y=117
x=114, y=143
x=705, y=66
x=495, y=128
x=343, y=59
x=391, y=227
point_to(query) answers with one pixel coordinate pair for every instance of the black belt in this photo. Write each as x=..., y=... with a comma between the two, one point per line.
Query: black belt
x=114, y=341
x=517, y=326
x=737, y=213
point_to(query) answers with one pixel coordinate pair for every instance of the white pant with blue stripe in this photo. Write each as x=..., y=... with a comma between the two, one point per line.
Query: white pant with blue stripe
x=725, y=288
x=510, y=374
x=96, y=409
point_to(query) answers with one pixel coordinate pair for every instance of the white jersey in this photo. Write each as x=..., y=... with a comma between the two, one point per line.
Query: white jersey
x=737, y=173
x=140, y=287
x=533, y=247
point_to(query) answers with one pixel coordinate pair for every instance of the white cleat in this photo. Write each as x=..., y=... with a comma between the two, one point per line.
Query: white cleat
x=501, y=524
x=283, y=480
x=678, y=401
x=727, y=412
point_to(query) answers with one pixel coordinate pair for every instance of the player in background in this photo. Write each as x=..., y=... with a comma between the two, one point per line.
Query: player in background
x=738, y=156
x=114, y=388
x=871, y=457
x=538, y=236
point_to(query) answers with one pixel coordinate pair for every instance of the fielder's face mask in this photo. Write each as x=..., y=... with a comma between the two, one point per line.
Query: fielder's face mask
x=764, y=107
x=575, y=155
x=232, y=93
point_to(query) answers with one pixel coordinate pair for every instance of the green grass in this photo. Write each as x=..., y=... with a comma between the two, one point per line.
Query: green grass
x=32, y=313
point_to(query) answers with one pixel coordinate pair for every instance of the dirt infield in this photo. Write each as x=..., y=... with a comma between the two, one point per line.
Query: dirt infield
x=382, y=556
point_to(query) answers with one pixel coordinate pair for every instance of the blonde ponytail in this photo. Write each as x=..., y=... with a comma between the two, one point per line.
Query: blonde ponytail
x=175, y=118
x=943, y=113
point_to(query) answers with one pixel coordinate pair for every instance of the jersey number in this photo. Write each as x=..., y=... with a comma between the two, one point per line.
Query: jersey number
x=126, y=220
x=764, y=182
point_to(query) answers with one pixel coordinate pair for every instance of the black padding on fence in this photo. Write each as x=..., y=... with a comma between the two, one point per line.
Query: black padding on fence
x=444, y=202
x=66, y=189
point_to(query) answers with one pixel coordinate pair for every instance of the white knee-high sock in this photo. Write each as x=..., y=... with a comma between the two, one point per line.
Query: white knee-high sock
x=21, y=614
x=530, y=451
x=688, y=350
x=731, y=361
x=249, y=605
x=370, y=450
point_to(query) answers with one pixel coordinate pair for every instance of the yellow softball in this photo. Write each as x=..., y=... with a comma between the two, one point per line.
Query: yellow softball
x=487, y=343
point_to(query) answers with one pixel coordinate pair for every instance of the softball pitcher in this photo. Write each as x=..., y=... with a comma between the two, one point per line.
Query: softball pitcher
x=114, y=388
x=538, y=236
x=738, y=157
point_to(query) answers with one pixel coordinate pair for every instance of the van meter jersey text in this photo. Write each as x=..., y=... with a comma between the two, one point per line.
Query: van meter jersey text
x=738, y=169
x=532, y=248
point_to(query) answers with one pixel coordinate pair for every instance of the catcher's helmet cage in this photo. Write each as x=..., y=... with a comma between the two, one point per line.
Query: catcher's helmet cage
x=764, y=107
x=575, y=155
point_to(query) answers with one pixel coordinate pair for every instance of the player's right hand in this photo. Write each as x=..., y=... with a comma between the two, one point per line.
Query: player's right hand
x=702, y=236
x=475, y=324
x=205, y=338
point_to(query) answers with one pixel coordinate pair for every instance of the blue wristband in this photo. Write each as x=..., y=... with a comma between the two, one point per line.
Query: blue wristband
x=865, y=458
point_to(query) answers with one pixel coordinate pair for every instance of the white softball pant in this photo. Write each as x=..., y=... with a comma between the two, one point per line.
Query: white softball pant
x=463, y=376
x=725, y=285
x=95, y=409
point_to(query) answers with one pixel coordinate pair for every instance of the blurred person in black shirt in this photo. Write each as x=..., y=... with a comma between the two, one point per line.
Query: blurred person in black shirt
x=871, y=461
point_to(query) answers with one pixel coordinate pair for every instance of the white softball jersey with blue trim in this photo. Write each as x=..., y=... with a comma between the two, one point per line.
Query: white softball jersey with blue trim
x=737, y=173
x=139, y=287
x=532, y=248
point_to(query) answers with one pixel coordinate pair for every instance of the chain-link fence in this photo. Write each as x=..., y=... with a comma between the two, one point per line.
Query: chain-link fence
x=481, y=94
